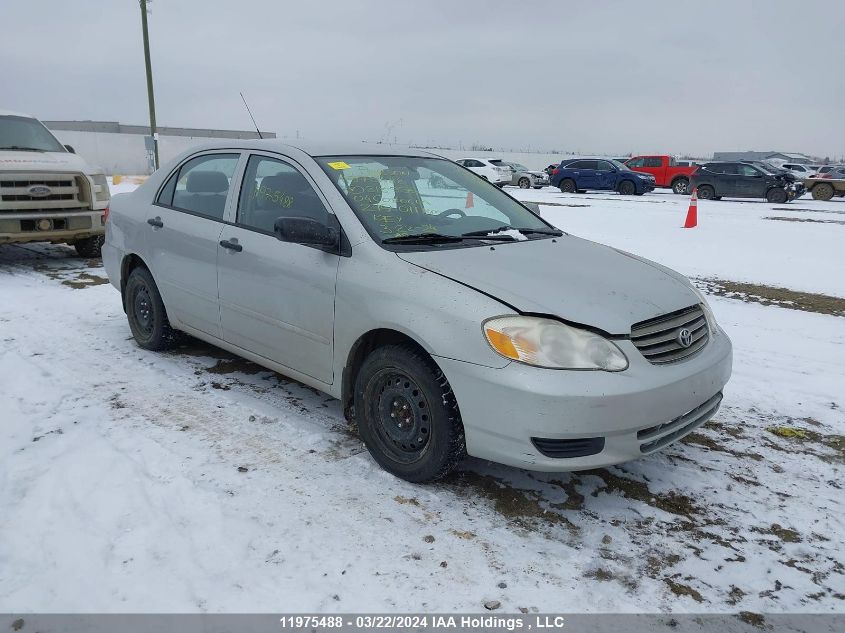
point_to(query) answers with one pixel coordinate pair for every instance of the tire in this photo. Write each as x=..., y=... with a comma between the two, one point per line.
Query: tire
x=524, y=183
x=680, y=186
x=90, y=247
x=567, y=185
x=706, y=192
x=627, y=188
x=823, y=191
x=776, y=196
x=538, y=186
x=146, y=313
x=400, y=384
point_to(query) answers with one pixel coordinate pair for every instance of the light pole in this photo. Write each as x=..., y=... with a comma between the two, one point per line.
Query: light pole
x=150, y=94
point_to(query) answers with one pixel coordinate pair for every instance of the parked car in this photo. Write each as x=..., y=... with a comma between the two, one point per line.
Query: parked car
x=825, y=169
x=828, y=185
x=742, y=180
x=446, y=328
x=47, y=192
x=666, y=171
x=604, y=174
x=525, y=178
x=800, y=171
x=491, y=170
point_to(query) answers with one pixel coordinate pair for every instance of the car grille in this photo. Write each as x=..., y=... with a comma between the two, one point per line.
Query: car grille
x=656, y=437
x=66, y=191
x=659, y=340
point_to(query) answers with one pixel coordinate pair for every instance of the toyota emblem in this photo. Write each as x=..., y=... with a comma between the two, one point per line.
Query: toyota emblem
x=684, y=337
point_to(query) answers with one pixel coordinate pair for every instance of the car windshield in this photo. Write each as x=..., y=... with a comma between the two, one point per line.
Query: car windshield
x=26, y=134
x=618, y=165
x=400, y=197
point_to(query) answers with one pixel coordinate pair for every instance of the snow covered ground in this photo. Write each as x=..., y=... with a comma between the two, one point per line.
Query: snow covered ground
x=190, y=481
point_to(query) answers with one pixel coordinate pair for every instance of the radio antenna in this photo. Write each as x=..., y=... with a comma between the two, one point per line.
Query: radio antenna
x=251, y=117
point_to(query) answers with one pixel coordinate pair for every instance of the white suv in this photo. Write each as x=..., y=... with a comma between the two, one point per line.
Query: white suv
x=488, y=169
x=47, y=192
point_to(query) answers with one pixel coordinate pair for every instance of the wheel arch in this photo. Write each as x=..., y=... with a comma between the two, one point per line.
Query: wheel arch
x=363, y=347
x=678, y=178
x=130, y=262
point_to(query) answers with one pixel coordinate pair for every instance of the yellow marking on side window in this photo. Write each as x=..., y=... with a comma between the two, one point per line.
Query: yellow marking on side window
x=338, y=164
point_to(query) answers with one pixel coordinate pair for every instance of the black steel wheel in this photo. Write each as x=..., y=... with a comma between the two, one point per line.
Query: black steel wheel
x=777, y=195
x=567, y=185
x=146, y=313
x=407, y=414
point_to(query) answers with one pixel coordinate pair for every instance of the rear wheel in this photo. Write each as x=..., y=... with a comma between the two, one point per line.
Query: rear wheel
x=90, y=246
x=627, y=188
x=777, y=196
x=680, y=186
x=823, y=191
x=706, y=192
x=567, y=185
x=524, y=183
x=407, y=414
x=145, y=311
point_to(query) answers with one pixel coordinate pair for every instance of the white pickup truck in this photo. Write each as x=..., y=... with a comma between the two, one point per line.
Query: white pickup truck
x=47, y=192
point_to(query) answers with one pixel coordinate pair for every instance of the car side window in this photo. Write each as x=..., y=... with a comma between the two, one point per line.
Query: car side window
x=603, y=165
x=731, y=169
x=273, y=189
x=201, y=185
x=589, y=164
x=652, y=161
x=747, y=170
x=636, y=162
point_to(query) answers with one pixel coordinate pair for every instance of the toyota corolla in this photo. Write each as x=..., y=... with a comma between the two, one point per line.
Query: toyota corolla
x=449, y=318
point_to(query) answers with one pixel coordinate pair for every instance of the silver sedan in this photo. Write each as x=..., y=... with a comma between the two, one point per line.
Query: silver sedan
x=447, y=317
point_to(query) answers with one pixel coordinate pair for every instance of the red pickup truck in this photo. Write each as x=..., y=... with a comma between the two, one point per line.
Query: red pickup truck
x=665, y=169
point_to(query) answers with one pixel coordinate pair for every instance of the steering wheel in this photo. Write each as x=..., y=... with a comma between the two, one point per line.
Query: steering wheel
x=448, y=212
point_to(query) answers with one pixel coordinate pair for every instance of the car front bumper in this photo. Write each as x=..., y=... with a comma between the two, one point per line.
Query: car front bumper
x=50, y=226
x=633, y=412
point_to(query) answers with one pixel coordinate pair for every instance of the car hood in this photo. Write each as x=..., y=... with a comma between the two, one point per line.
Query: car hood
x=43, y=161
x=574, y=279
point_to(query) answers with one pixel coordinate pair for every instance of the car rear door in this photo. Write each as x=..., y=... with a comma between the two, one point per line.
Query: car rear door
x=277, y=298
x=183, y=231
x=585, y=174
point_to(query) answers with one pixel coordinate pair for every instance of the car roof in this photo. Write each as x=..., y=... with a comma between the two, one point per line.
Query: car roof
x=10, y=113
x=320, y=148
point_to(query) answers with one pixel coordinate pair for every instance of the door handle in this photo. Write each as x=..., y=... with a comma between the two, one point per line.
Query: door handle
x=232, y=246
x=156, y=222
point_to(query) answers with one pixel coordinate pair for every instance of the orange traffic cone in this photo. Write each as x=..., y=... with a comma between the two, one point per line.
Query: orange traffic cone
x=470, y=202
x=692, y=212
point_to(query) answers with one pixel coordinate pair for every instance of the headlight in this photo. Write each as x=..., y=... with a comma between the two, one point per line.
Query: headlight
x=101, y=188
x=708, y=312
x=548, y=343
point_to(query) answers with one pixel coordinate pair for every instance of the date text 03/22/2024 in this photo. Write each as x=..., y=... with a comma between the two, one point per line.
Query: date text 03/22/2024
x=430, y=622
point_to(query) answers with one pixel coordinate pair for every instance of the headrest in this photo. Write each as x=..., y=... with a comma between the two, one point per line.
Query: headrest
x=365, y=190
x=207, y=182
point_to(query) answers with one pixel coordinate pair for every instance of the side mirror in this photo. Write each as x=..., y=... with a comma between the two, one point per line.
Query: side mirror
x=533, y=206
x=307, y=232
x=70, y=149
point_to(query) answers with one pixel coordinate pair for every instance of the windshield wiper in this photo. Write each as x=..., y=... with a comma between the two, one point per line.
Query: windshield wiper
x=23, y=149
x=491, y=233
x=422, y=238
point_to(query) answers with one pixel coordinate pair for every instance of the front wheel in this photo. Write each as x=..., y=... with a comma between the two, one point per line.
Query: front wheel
x=627, y=188
x=524, y=183
x=777, y=196
x=90, y=246
x=407, y=414
x=145, y=311
x=680, y=186
x=706, y=192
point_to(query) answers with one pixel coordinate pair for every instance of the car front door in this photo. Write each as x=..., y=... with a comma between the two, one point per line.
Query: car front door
x=183, y=231
x=606, y=175
x=277, y=298
x=751, y=182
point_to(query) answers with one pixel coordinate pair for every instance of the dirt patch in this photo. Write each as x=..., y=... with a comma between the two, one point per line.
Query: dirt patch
x=85, y=280
x=406, y=501
x=680, y=589
x=783, y=534
x=775, y=296
x=813, y=220
x=798, y=440
x=521, y=507
x=671, y=502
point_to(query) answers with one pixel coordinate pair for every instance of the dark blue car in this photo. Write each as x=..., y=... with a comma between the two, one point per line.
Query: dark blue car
x=604, y=174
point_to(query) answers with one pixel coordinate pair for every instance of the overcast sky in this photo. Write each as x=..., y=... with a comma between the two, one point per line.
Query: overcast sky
x=598, y=76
